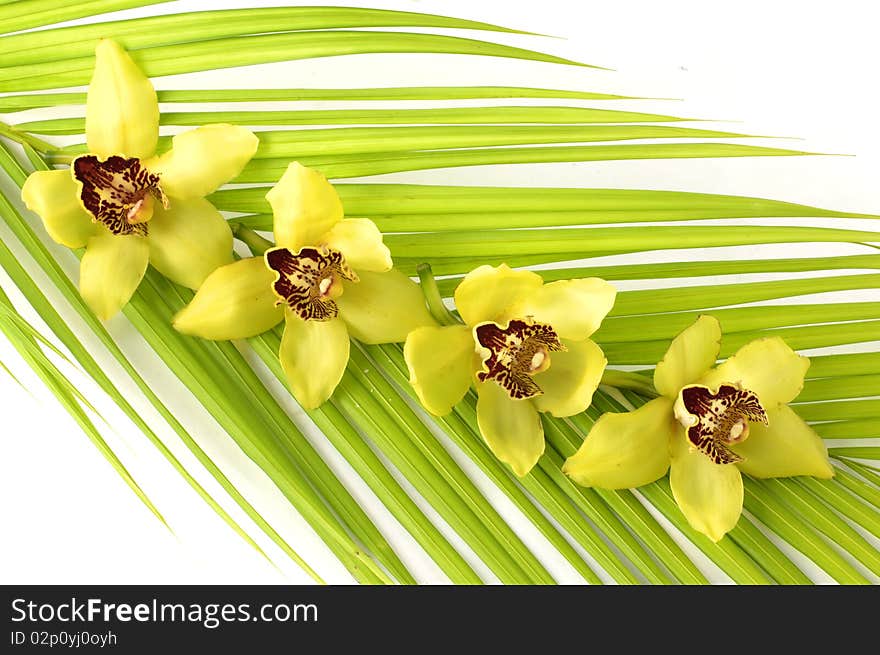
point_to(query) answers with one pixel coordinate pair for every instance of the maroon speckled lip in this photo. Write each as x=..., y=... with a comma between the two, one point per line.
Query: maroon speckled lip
x=300, y=276
x=113, y=187
x=717, y=414
x=511, y=351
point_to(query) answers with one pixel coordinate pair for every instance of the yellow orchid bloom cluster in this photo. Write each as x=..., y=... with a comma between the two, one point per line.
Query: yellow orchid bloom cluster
x=709, y=425
x=524, y=345
x=127, y=206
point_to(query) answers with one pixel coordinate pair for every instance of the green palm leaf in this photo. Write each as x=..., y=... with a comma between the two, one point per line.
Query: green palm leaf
x=457, y=228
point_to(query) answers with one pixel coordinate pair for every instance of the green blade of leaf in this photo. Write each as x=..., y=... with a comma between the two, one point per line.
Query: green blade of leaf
x=798, y=531
x=841, y=499
x=621, y=329
x=864, y=429
x=459, y=265
x=151, y=31
x=857, y=452
x=263, y=171
x=326, y=143
x=484, y=243
x=631, y=303
x=377, y=201
x=799, y=338
x=840, y=388
x=264, y=48
x=446, y=138
x=444, y=116
x=353, y=448
x=749, y=537
x=36, y=13
x=9, y=372
x=11, y=103
x=826, y=522
x=453, y=268
x=634, y=271
x=655, y=271
x=656, y=539
x=866, y=489
x=482, y=221
x=842, y=410
x=822, y=366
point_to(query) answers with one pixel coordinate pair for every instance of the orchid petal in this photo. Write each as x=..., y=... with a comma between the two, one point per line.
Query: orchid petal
x=189, y=241
x=573, y=376
x=765, y=366
x=383, y=307
x=53, y=196
x=122, y=112
x=710, y=495
x=441, y=365
x=236, y=301
x=360, y=241
x=314, y=355
x=111, y=270
x=785, y=447
x=488, y=293
x=203, y=159
x=690, y=355
x=574, y=308
x=305, y=206
x=625, y=450
x=511, y=428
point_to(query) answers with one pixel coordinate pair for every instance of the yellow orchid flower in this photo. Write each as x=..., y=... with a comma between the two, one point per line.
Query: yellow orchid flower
x=328, y=278
x=526, y=347
x=127, y=206
x=708, y=426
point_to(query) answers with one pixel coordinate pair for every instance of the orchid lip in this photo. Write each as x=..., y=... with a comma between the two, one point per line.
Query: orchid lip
x=715, y=420
x=512, y=354
x=118, y=192
x=308, y=280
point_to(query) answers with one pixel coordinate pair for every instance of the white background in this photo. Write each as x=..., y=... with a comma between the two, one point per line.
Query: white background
x=798, y=69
